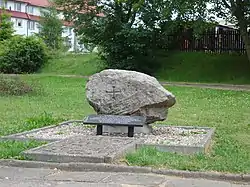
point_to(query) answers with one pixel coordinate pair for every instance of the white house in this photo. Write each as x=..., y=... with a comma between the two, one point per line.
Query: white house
x=25, y=14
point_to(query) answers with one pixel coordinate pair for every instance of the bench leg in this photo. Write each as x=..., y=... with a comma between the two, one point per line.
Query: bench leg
x=99, y=130
x=131, y=131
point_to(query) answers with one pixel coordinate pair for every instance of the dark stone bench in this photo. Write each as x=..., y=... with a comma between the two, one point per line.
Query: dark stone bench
x=115, y=120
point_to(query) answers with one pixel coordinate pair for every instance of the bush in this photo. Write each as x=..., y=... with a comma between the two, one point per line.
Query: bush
x=13, y=85
x=22, y=55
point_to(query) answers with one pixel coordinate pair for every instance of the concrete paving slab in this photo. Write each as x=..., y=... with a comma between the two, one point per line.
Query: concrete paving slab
x=80, y=184
x=195, y=183
x=79, y=176
x=23, y=173
x=98, y=149
x=240, y=185
x=9, y=183
x=135, y=179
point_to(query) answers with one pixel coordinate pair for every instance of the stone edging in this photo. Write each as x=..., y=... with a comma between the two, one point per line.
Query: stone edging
x=132, y=169
x=15, y=136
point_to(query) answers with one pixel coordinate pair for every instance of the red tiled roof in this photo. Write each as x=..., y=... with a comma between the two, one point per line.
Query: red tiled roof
x=23, y=15
x=41, y=3
x=46, y=3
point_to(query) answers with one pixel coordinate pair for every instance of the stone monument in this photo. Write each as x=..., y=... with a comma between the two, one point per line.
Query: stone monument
x=122, y=92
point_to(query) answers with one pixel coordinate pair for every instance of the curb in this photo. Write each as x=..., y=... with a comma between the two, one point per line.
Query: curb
x=87, y=167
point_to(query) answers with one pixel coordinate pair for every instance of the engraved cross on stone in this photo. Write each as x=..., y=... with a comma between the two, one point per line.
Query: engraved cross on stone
x=114, y=92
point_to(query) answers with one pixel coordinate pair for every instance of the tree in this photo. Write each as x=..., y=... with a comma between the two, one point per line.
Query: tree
x=130, y=32
x=51, y=28
x=235, y=11
x=6, y=26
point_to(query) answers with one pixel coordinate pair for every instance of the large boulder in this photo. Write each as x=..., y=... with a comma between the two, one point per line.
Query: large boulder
x=121, y=92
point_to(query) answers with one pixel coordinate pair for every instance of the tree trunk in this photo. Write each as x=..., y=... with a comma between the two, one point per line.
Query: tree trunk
x=246, y=40
x=238, y=10
x=245, y=36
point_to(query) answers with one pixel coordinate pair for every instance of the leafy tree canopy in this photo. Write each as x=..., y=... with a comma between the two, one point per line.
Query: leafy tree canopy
x=131, y=32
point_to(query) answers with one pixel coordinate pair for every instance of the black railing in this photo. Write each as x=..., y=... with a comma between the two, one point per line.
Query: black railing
x=219, y=42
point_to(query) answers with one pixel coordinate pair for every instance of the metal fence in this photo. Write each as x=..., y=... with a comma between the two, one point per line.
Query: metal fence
x=220, y=41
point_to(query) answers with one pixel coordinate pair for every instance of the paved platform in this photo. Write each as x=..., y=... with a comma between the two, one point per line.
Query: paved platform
x=91, y=149
x=34, y=177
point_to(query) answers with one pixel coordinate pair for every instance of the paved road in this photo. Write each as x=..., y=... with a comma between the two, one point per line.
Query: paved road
x=33, y=177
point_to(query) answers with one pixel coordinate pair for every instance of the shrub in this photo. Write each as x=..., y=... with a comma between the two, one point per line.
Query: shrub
x=22, y=55
x=13, y=85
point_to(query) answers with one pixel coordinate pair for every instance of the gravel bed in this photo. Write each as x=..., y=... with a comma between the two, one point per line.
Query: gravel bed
x=167, y=135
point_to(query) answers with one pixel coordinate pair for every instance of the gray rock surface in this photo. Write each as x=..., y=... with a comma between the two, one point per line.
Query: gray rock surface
x=121, y=92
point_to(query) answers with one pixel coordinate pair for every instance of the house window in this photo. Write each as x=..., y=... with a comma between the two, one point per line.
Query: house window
x=3, y=3
x=31, y=25
x=70, y=31
x=65, y=30
x=18, y=7
x=30, y=9
x=19, y=23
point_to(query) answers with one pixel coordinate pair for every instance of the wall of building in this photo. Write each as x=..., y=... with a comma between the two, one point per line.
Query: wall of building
x=27, y=27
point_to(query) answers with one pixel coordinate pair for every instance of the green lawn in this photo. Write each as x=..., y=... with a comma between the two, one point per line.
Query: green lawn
x=176, y=66
x=228, y=111
x=64, y=98
x=59, y=99
x=204, y=67
x=86, y=64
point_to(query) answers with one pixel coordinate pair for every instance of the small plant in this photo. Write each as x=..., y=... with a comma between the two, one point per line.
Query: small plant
x=40, y=121
x=59, y=133
x=89, y=126
x=13, y=86
x=183, y=133
x=198, y=132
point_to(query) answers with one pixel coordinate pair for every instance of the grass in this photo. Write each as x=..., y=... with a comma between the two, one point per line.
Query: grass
x=86, y=64
x=60, y=99
x=205, y=67
x=177, y=66
x=228, y=111
x=12, y=149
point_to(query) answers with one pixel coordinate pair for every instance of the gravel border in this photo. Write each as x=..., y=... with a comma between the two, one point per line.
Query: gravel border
x=203, y=145
x=101, y=167
x=15, y=136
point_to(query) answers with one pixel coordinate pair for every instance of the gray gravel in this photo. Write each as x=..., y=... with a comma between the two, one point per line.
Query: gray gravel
x=167, y=135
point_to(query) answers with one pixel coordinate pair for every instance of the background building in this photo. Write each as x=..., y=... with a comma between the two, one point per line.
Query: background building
x=25, y=14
